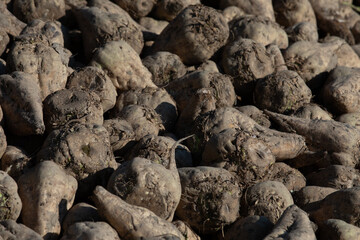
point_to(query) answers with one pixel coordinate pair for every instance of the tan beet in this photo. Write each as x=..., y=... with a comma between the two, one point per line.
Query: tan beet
x=47, y=192
x=342, y=204
x=90, y=230
x=67, y=105
x=169, y=9
x=210, y=198
x=293, y=224
x=94, y=79
x=248, y=158
x=303, y=31
x=84, y=151
x=10, y=201
x=123, y=65
x=282, y=145
x=267, y=31
x=283, y=91
x=131, y=222
x=269, y=199
x=192, y=44
x=103, y=22
x=48, y=64
x=136, y=8
x=28, y=10
x=246, y=61
x=143, y=120
x=121, y=134
x=340, y=91
x=157, y=99
x=15, y=162
x=9, y=229
x=292, y=178
x=81, y=212
x=290, y=12
x=21, y=102
x=310, y=195
x=254, y=7
x=49, y=30
x=164, y=67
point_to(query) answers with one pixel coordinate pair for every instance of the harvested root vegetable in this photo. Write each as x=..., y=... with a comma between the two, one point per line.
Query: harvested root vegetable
x=121, y=133
x=105, y=22
x=9, y=229
x=256, y=114
x=136, y=8
x=8, y=22
x=335, y=176
x=28, y=10
x=94, y=79
x=49, y=30
x=20, y=99
x=186, y=231
x=282, y=145
x=210, y=198
x=47, y=192
x=303, y=31
x=232, y=12
x=123, y=65
x=340, y=92
x=290, y=12
x=148, y=184
x=158, y=149
x=209, y=66
x=143, y=120
x=293, y=224
x=81, y=212
x=169, y=9
x=237, y=151
x=219, y=84
x=200, y=103
x=283, y=91
x=67, y=105
x=164, y=67
x=253, y=7
x=346, y=56
x=250, y=227
x=334, y=229
x=131, y=222
x=267, y=31
x=246, y=61
x=336, y=18
x=312, y=111
x=84, y=151
x=290, y=177
x=10, y=201
x=352, y=119
x=155, y=98
x=269, y=199
x=312, y=61
x=339, y=137
x=15, y=162
x=343, y=204
x=309, y=195
x=90, y=230
x=47, y=64
x=152, y=25
x=4, y=41
x=277, y=57
x=194, y=35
